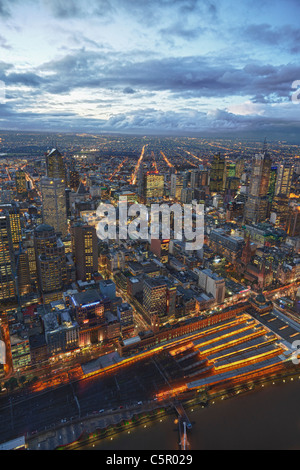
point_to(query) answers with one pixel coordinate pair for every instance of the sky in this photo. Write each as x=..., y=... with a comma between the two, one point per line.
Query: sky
x=147, y=66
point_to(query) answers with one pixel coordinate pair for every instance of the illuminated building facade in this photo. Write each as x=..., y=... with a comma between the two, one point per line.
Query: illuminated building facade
x=217, y=172
x=13, y=212
x=51, y=261
x=155, y=297
x=153, y=185
x=257, y=205
x=21, y=183
x=177, y=184
x=284, y=180
x=54, y=204
x=85, y=245
x=7, y=262
x=55, y=165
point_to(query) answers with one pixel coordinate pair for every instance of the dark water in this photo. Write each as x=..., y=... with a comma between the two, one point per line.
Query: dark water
x=268, y=418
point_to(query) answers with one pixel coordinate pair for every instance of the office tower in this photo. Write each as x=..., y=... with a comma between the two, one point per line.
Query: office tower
x=195, y=175
x=74, y=179
x=21, y=183
x=228, y=173
x=293, y=222
x=54, y=204
x=217, y=174
x=23, y=279
x=239, y=167
x=155, y=298
x=85, y=243
x=177, y=184
x=153, y=185
x=187, y=195
x=284, y=180
x=7, y=261
x=51, y=261
x=280, y=207
x=55, y=165
x=272, y=183
x=28, y=244
x=257, y=205
x=13, y=212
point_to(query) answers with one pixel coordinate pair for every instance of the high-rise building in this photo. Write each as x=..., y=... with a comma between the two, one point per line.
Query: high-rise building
x=54, y=204
x=293, y=222
x=284, y=180
x=23, y=279
x=21, y=183
x=280, y=207
x=13, y=212
x=51, y=261
x=28, y=244
x=187, y=195
x=257, y=205
x=272, y=183
x=7, y=260
x=85, y=243
x=55, y=165
x=177, y=184
x=153, y=185
x=217, y=171
x=155, y=298
x=239, y=167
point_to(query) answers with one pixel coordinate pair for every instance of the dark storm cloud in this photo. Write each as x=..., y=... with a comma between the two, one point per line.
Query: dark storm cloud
x=287, y=36
x=192, y=76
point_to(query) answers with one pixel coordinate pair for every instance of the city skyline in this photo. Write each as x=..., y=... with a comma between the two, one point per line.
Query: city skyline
x=170, y=67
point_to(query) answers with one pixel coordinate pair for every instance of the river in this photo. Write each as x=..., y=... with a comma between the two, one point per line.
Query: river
x=266, y=418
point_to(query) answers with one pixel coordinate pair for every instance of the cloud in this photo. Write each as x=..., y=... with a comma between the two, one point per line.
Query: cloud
x=128, y=91
x=284, y=37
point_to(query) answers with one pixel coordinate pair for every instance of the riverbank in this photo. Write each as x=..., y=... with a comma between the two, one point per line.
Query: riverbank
x=98, y=429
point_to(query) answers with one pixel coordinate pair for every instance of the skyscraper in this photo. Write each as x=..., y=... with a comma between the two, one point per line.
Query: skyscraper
x=21, y=183
x=239, y=167
x=55, y=165
x=155, y=299
x=217, y=172
x=177, y=184
x=257, y=205
x=85, y=244
x=7, y=261
x=272, y=183
x=54, y=204
x=51, y=261
x=284, y=180
x=153, y=185
x=13, y=212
